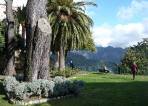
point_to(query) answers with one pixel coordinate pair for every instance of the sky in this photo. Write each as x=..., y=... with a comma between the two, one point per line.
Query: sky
x=117, y=23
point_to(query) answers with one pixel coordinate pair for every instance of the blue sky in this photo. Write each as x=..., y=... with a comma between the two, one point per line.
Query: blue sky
x=107, y=11
x=117, y=23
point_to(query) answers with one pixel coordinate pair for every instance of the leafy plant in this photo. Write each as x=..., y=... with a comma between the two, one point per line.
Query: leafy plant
x=58, y=86
x=66, y=73
x=137, y=54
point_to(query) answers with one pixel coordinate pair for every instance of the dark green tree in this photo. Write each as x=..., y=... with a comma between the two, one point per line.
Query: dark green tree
x=70, y=27
x=137, y=54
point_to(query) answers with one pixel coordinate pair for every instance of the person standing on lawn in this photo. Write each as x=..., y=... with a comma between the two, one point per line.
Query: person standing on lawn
x=71, y=65
x=134, y=70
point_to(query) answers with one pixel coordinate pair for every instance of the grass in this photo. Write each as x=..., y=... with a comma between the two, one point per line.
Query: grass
x=102, y=90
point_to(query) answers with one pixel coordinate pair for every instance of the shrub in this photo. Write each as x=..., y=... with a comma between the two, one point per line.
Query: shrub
x=10, y=84
x=77, y=87
x=66, y=73
x=47, y=88
x=58, y=86
x=61, y=88
x=20, y=91
x=33, y=89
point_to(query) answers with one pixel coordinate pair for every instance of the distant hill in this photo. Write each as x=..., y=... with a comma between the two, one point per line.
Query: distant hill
x=83, y=63
x=93, y=61
x=109, y=54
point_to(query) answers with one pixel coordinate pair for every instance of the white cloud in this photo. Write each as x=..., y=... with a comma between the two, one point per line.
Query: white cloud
x=17, y=3
x=135, y=9
x=101, y=35
x=120, y=35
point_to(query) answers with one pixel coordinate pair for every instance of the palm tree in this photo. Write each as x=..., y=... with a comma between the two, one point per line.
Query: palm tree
x=70, y=26
x=20, y=15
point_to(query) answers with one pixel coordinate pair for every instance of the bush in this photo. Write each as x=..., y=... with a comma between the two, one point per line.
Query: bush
x=10, y=84
x=20, y=91
x=61, y=88
x=77, y=87
x=47, y=88
x=66, y=73
x=58, y=86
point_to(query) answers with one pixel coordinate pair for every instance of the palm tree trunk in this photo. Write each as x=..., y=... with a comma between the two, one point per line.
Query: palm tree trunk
x=38, y=33
x=23, y=30
x=10, y=67
x=56, y=65
x=62, y=56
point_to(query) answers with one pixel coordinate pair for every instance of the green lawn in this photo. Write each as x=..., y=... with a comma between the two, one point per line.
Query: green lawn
x=103, y=90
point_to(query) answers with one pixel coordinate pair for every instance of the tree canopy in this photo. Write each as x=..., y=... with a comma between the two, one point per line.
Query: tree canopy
x=70, y=24
x=137, y=54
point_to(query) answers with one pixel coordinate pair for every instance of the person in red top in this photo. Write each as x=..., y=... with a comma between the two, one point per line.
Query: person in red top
x=134, y=70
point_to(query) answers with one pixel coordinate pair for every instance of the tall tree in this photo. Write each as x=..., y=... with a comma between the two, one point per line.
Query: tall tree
x=10, y=67
x=38, y=40
x=70, y=26
x=20, y=14
x=135, y=54
x=3, y=30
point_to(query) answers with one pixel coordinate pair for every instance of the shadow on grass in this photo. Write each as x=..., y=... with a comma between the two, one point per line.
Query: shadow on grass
x=2, y=92
x=107, y=94
x=134, y=93
x=98, y=73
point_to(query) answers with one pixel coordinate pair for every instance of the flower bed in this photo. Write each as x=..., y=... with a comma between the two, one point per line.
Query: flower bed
x=54, y=88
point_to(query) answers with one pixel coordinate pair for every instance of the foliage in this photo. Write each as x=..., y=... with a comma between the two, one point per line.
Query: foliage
x=2, y=42
x=20, y=15
x=3, y=28
x=137, y=54
x=90, y=45
x=76, y=85
x=10, y=83
x=70, y=24
x=66, y=73
x=19, y=19
x=47, y=87
x=20, y=91
x=19, y=42
x=59, y=86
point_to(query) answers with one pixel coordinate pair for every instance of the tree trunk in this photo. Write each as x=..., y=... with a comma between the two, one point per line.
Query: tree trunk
x=10, y=68
x=38, y=33
x=62, y=56
x=56, y=65
x=23, y=30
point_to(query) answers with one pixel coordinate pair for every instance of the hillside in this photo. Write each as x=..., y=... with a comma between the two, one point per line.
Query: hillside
x=109, y=54
x=94, y=61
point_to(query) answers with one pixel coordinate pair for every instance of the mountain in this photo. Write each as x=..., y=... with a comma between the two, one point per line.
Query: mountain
x=81, y=62
x=109, y=54
x=85, y=60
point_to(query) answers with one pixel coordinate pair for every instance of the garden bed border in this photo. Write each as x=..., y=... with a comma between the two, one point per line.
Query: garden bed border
x=42, y=100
